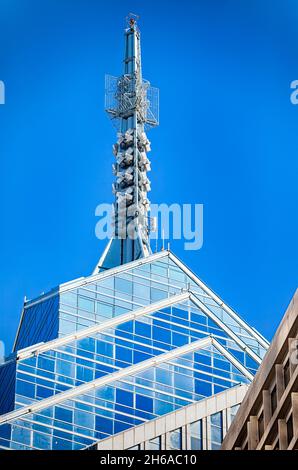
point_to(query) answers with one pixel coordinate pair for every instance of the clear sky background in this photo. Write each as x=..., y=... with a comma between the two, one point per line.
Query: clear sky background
x=227, y=139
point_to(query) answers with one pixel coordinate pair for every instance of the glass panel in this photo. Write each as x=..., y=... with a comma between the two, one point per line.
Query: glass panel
x=123, y=285
x=233, y=412
x=216, y=430
x=154, y=444
x=86, y=304
x=196, y=435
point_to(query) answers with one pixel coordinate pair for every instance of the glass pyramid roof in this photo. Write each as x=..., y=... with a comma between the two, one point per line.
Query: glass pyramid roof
x=129, y=344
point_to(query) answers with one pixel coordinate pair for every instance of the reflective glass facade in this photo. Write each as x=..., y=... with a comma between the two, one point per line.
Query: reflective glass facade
x=116, y=322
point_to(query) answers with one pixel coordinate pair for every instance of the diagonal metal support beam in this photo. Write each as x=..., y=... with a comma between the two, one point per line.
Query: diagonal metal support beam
x=219, y=301
x=222, y=325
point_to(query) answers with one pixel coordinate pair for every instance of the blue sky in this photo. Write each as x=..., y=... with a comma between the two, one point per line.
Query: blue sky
x=227, y=139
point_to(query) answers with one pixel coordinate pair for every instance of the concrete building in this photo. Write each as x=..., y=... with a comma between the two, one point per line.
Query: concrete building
x=199, y=426
x=268, y=416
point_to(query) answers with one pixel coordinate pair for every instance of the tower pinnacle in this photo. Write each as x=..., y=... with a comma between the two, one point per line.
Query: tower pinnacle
x=132, y=105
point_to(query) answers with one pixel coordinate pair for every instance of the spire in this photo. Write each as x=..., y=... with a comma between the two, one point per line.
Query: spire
x=132, y=105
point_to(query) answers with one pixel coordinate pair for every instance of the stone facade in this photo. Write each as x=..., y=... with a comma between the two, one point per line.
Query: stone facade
x=268, y=416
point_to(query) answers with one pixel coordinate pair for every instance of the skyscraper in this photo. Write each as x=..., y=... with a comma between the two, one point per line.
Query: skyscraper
x=139, y=338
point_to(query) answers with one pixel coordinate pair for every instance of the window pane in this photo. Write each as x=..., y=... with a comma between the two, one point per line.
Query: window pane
x=86, y=304
x=154, y=444
x=216, y=419
x=216, y=430
x=141, y=291
x=233, y=411
x=196, y=435
x=176, y=439
x=216, y=434
x=157, y=295
x=123, y=285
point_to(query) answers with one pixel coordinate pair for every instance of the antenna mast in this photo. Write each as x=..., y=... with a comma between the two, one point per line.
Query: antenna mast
x=132, y=105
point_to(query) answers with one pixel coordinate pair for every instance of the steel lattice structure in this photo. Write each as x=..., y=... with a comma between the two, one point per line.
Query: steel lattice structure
x=133, y=106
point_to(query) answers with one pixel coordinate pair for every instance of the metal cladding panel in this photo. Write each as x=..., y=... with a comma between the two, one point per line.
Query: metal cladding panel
x=39, y=323
x=7, y=383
